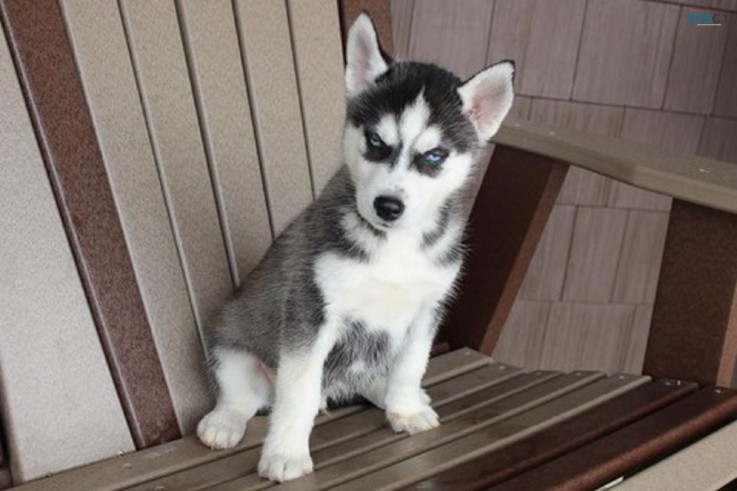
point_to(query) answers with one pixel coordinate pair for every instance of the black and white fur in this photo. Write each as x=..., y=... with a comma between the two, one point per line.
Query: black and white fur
x=347, y=300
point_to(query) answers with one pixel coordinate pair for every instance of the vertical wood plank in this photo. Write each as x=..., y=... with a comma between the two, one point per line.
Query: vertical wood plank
x=586, y=336
x=155, y=42
x=61, y=116
x=465, y=32
x=694, y=327
x=380, y=12
x=547, y=271
x=523, y=30
x=625, y=51
x=315, y=28
x=266, y=48
x=401, y=14
x=595, y=250
x=718, y=140
x=521, y=342
x=725, y=103
x=694, y=71
x=639, y=262
x=103, y=59
x=220, y=92
x=516, y=197
x=50, y=355
x=634, y=353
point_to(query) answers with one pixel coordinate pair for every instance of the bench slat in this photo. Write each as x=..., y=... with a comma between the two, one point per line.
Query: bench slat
x=383, y=448
x=514, y=459
x=145, y=465
x=221, y=95
x=268, y=59
x=53, y=373
x=105, y=68
x=632, y=447
x=498, y=435
x=333, y=432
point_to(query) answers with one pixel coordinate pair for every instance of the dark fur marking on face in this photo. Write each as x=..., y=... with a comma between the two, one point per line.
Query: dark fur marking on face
x=398, y=88
x=429, y=239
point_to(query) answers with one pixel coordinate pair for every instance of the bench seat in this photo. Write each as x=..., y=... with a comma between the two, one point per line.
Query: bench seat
x=501, y=427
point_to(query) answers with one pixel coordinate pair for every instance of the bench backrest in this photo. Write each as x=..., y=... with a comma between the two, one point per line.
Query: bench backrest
x=175, y=140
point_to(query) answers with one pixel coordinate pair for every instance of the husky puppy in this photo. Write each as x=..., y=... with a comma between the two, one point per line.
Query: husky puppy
x=347, y=300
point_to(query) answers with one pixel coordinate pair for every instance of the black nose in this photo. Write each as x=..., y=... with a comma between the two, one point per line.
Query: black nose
x=388, y=208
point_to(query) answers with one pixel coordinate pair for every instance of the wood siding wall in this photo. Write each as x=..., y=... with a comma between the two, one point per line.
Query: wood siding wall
x=633, y=69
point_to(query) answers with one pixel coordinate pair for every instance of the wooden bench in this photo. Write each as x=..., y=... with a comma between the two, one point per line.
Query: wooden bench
x=150, y=152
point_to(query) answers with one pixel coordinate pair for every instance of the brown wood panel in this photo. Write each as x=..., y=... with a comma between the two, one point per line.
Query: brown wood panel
x=626, y=48
x=632, y=447
x=401, y=15
x=694, y=70
x=380, y=12
x=68, y=143
x=694, y=327
x=542, y=37
x=515, y=200
x=494, y=467
x=465, y=32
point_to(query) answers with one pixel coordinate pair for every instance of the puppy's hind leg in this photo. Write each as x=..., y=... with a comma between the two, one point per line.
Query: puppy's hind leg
x=243, y=389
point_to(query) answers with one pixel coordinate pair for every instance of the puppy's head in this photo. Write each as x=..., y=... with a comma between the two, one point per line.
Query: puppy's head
x=413, y=130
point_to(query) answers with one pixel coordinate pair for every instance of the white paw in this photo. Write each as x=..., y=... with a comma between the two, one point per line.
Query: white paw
x=282, y=467
x=413, y=422
x=424, y=397
x=222, y=428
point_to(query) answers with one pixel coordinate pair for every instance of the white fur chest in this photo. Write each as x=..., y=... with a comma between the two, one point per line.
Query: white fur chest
x=389, y=291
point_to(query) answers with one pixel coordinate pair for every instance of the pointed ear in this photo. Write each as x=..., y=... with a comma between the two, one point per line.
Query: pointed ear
x=487, y=97
x=364, y=61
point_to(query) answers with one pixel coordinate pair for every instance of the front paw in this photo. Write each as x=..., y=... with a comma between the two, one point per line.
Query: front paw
x=414, y=421
x=281, y=466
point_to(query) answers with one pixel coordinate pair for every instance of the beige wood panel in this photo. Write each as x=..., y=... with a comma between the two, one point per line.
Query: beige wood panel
x=580, y=186
x=266, y=49
x=318, y=57
x=461, y=48
x=495, y=437
x=724, y=4
x=547, y=270
x=625, y=52
x=718, y=139
x=219, y=86
x=707, y=464
x=521, y=342
x=401, y=26
x=725, y=103
x=695, y=179
x=586, y=336
x=694, y=71
x=634, y=354
x=57, y=398
x=146, y=465
x=101, y=53
x=595, y=251
x=158, y=57
x=639, y=262
x=543, y=38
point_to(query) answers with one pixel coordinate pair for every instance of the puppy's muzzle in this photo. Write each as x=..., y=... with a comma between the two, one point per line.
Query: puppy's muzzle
x=388, y=208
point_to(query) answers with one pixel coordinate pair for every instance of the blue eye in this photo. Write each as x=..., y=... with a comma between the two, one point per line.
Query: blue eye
x=374, y=140
x=434, y=157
